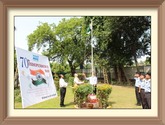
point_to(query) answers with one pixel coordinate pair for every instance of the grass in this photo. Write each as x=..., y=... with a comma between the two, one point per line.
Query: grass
x=121, y=97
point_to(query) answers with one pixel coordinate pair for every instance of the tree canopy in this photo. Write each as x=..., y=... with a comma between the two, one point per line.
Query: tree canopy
x=119, y=41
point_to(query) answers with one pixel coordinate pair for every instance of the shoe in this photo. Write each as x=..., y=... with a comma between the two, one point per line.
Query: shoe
x=62, y=105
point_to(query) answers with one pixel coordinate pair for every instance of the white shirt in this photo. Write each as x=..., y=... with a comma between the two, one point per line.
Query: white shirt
x=148, y=85
x=142, y=83
x=137, y=82
x=92, y=80
x=77, y=81
x=62, y=83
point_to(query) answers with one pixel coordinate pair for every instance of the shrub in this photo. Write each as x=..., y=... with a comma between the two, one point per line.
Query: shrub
x=56, y=81
x=81, y=92
x=67, y=76
x=17, y=95
x=103, y=92
x=71, y=81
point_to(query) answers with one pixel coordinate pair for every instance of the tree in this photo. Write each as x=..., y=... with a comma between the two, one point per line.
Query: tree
x=120, y=40
x=71, y=45
x=66, y=41
x=59, y=68
x=41, y=37
x=16, y=81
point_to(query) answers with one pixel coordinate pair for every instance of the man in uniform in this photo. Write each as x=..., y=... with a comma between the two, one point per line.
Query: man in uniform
x=148, y=90
x=136, y=77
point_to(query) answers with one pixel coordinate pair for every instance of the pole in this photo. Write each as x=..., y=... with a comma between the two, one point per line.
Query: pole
x=91, y=46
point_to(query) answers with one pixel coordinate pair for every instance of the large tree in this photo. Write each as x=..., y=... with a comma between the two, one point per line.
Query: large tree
x=121, y=40
x=72, y=39
x=42, y=38
x=67, y=41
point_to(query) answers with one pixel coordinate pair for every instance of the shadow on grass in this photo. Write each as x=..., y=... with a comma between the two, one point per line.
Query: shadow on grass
x=111, y=103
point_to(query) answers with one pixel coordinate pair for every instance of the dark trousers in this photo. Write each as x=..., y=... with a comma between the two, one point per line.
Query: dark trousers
x=143, y=99
x=148, y=100
x=62, y=95
x=138, y=98
x=95, y=89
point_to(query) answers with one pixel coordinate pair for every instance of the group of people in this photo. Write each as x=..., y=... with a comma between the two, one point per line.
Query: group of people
x=77, y=81
x=143, y=89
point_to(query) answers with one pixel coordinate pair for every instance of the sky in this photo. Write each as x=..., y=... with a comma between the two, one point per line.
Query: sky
x=26, y=25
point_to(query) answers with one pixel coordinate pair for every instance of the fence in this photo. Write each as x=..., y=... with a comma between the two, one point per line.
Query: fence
x=129, y=71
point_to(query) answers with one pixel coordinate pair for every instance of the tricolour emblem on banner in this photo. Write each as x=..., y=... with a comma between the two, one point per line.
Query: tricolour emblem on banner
x=39, y=74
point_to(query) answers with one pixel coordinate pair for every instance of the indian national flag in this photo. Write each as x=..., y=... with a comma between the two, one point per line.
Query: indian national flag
x=90, y=28
x=39, y=77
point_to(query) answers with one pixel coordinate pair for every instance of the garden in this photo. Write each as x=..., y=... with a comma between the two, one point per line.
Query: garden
x=103, y=44
x=119, y=97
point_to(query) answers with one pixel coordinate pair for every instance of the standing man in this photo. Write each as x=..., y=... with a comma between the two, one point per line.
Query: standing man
x=148, y=90
x=63, y=86
x=76, y=83
x=76, y=80
x=92, y=81
x=136, y=77
x=142, y=90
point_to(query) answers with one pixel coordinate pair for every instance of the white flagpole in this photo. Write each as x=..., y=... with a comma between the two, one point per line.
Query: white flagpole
x=91, y=27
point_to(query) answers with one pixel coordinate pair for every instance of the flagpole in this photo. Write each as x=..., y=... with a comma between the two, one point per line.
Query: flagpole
x=91, y=46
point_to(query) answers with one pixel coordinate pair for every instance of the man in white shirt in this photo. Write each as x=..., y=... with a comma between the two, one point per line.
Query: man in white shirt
x=142, y=90
x=148, y=90
x=136, y=77
x=92, y=81
x=76, y=80
x=63, y=86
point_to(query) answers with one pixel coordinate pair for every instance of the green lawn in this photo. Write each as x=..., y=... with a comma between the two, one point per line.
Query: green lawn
x=121, y=97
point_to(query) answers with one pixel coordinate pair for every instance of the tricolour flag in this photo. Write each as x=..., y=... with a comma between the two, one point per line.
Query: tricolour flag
x=90, y=28
x=39, y=74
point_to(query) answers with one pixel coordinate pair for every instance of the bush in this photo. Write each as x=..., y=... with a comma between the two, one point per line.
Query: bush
x=71, y=81
x=17, y=95
x=56, y=82
x=81, y=92
x=103, y=92
x=67, y=76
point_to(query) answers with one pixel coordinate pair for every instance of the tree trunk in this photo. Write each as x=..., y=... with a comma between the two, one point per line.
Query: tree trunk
x=135, y=58
x=136, y=63
x=115, y=71
x=109, y=77
x=124, y=76
x=105, y=75
x=72, y=68
x=119, y=74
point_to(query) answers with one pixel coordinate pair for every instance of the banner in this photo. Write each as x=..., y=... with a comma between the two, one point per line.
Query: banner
x=35, y=76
